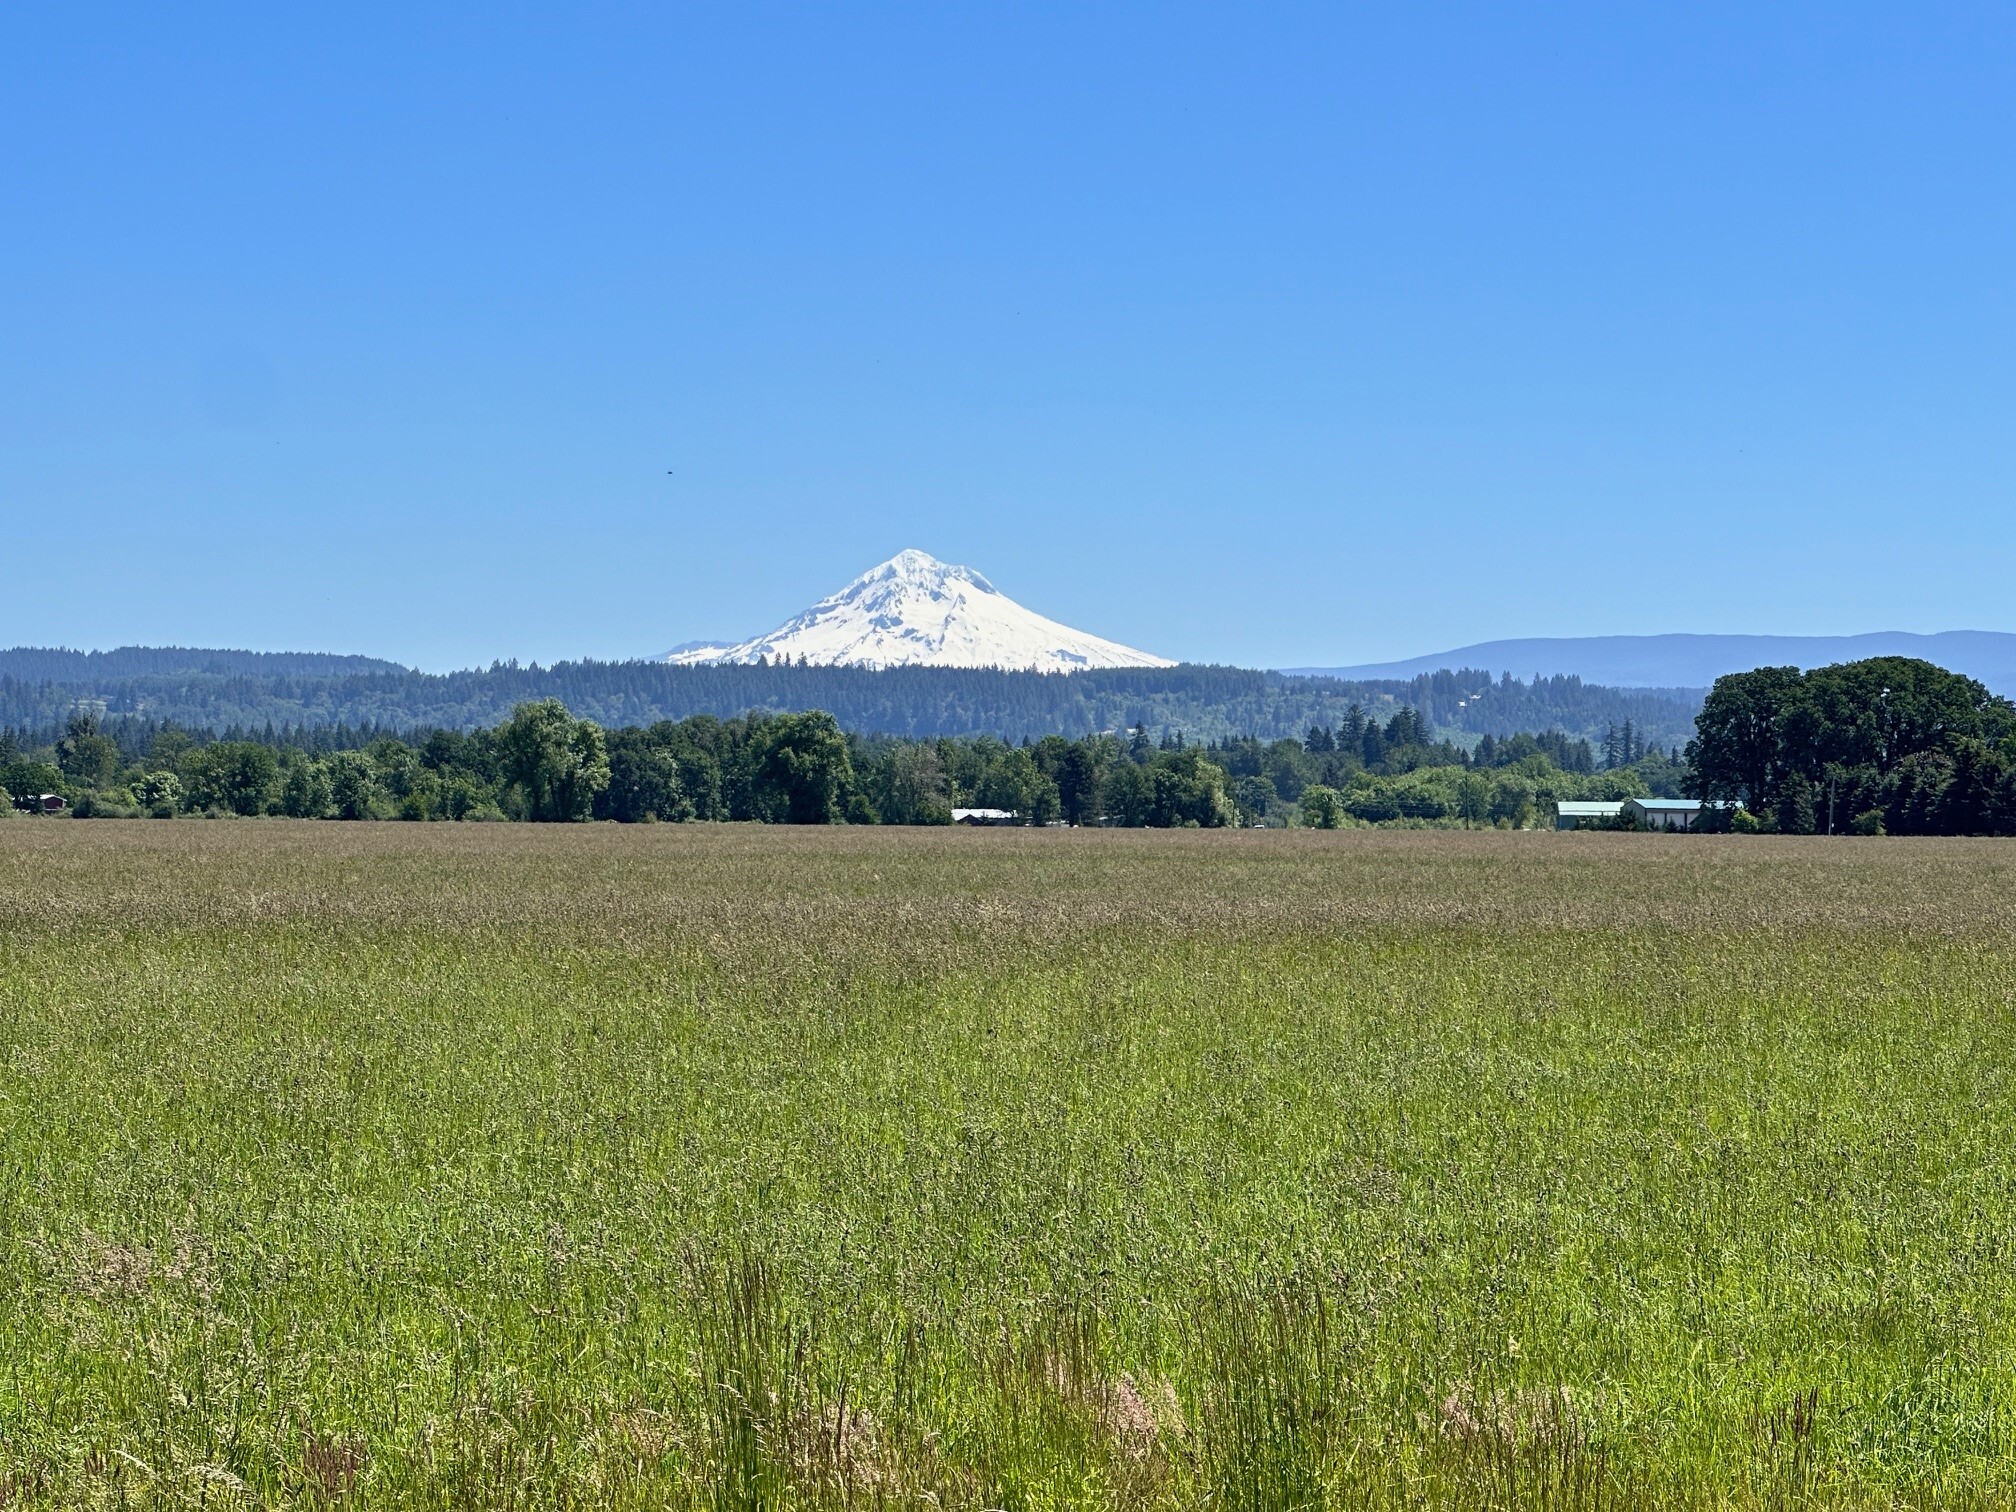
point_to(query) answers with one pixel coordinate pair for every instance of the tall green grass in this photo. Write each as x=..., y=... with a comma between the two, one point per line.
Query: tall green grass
x=382, y=1166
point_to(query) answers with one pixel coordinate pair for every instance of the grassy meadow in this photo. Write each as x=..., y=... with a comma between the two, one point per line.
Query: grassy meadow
x=734, y=1167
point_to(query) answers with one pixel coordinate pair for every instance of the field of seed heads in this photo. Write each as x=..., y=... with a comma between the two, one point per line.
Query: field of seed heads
x=719, y=1166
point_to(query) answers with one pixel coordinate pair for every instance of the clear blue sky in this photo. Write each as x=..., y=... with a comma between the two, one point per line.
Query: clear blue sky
x=1266, y=335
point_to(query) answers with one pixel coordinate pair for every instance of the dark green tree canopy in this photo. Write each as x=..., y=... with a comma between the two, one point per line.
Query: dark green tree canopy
x=1891, y=742
x=556, y=763
x=802, y=769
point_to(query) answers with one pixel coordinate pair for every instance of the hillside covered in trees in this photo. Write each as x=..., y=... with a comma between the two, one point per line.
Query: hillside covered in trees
x=224, y=691
x=39, y=664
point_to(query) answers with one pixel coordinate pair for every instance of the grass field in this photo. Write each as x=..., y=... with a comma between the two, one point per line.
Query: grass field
x=514, y=1166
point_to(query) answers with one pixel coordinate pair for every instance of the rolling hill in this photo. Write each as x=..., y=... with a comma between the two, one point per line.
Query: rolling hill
x=1695, y=661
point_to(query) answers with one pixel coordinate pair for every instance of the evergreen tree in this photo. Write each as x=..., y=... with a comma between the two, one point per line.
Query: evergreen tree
x=1794, y=809
x=87, y=757
x=1078, y=784
x=1372, y=745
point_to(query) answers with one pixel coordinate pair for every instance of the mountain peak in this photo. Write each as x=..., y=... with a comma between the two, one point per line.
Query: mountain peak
x=918, y=567
x=914, y=610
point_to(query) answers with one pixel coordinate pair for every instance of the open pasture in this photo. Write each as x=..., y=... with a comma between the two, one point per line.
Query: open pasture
x=471, y=1166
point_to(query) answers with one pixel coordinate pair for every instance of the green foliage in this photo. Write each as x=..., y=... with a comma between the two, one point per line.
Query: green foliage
x=556, y=763
x=1188, y=791
x=159, y=792
x=1513, y=800
x=1016, y=783
x=24, y=779
x=1080, y=777
x=237, y=776
x=907, y=782
x=1130, y=794
x=353, y=786
x=1933, y=752
x=1321, y=806
x=1793, y=812
x=1473, y=800
x=105, y=803
x=800, y=770
x=644, y=781
x=305, y=790
x=1738, y=752
x=87, y=758
x=544, y=763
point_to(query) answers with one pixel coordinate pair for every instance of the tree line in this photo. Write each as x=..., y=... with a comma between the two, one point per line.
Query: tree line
x=222, y=690
x=545, y=764
x=1888, y=745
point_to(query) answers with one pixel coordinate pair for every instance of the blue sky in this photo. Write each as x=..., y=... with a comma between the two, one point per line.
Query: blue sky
x=1257, y=334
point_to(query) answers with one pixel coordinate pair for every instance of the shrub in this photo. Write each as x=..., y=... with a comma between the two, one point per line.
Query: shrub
x=1322, y=808
x=104, y=806
x=156, y=791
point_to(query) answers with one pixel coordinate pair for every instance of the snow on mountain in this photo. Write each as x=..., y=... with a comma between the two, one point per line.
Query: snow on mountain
x=916, y=611
x=685, y=649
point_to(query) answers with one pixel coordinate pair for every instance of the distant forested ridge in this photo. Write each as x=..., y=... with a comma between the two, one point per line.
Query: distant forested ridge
x=44, y=664
x=217, y=690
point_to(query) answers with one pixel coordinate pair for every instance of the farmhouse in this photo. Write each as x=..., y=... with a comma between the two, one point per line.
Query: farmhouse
x=1664, y=813
x=1583, y=815
x=41, y=803
x=983, y=816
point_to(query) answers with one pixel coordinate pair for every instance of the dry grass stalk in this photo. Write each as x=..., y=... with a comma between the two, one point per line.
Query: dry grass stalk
x=845, y=1448
x=1532, y=1417
x=332, y=1465
x=648, y=1434
x=99, y=1267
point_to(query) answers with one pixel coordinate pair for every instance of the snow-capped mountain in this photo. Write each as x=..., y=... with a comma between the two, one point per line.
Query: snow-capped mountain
x=916, y=611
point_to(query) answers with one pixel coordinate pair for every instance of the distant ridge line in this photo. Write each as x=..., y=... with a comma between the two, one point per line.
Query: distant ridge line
x=59, y=664
x=1203, y=702
x=1695, y=661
